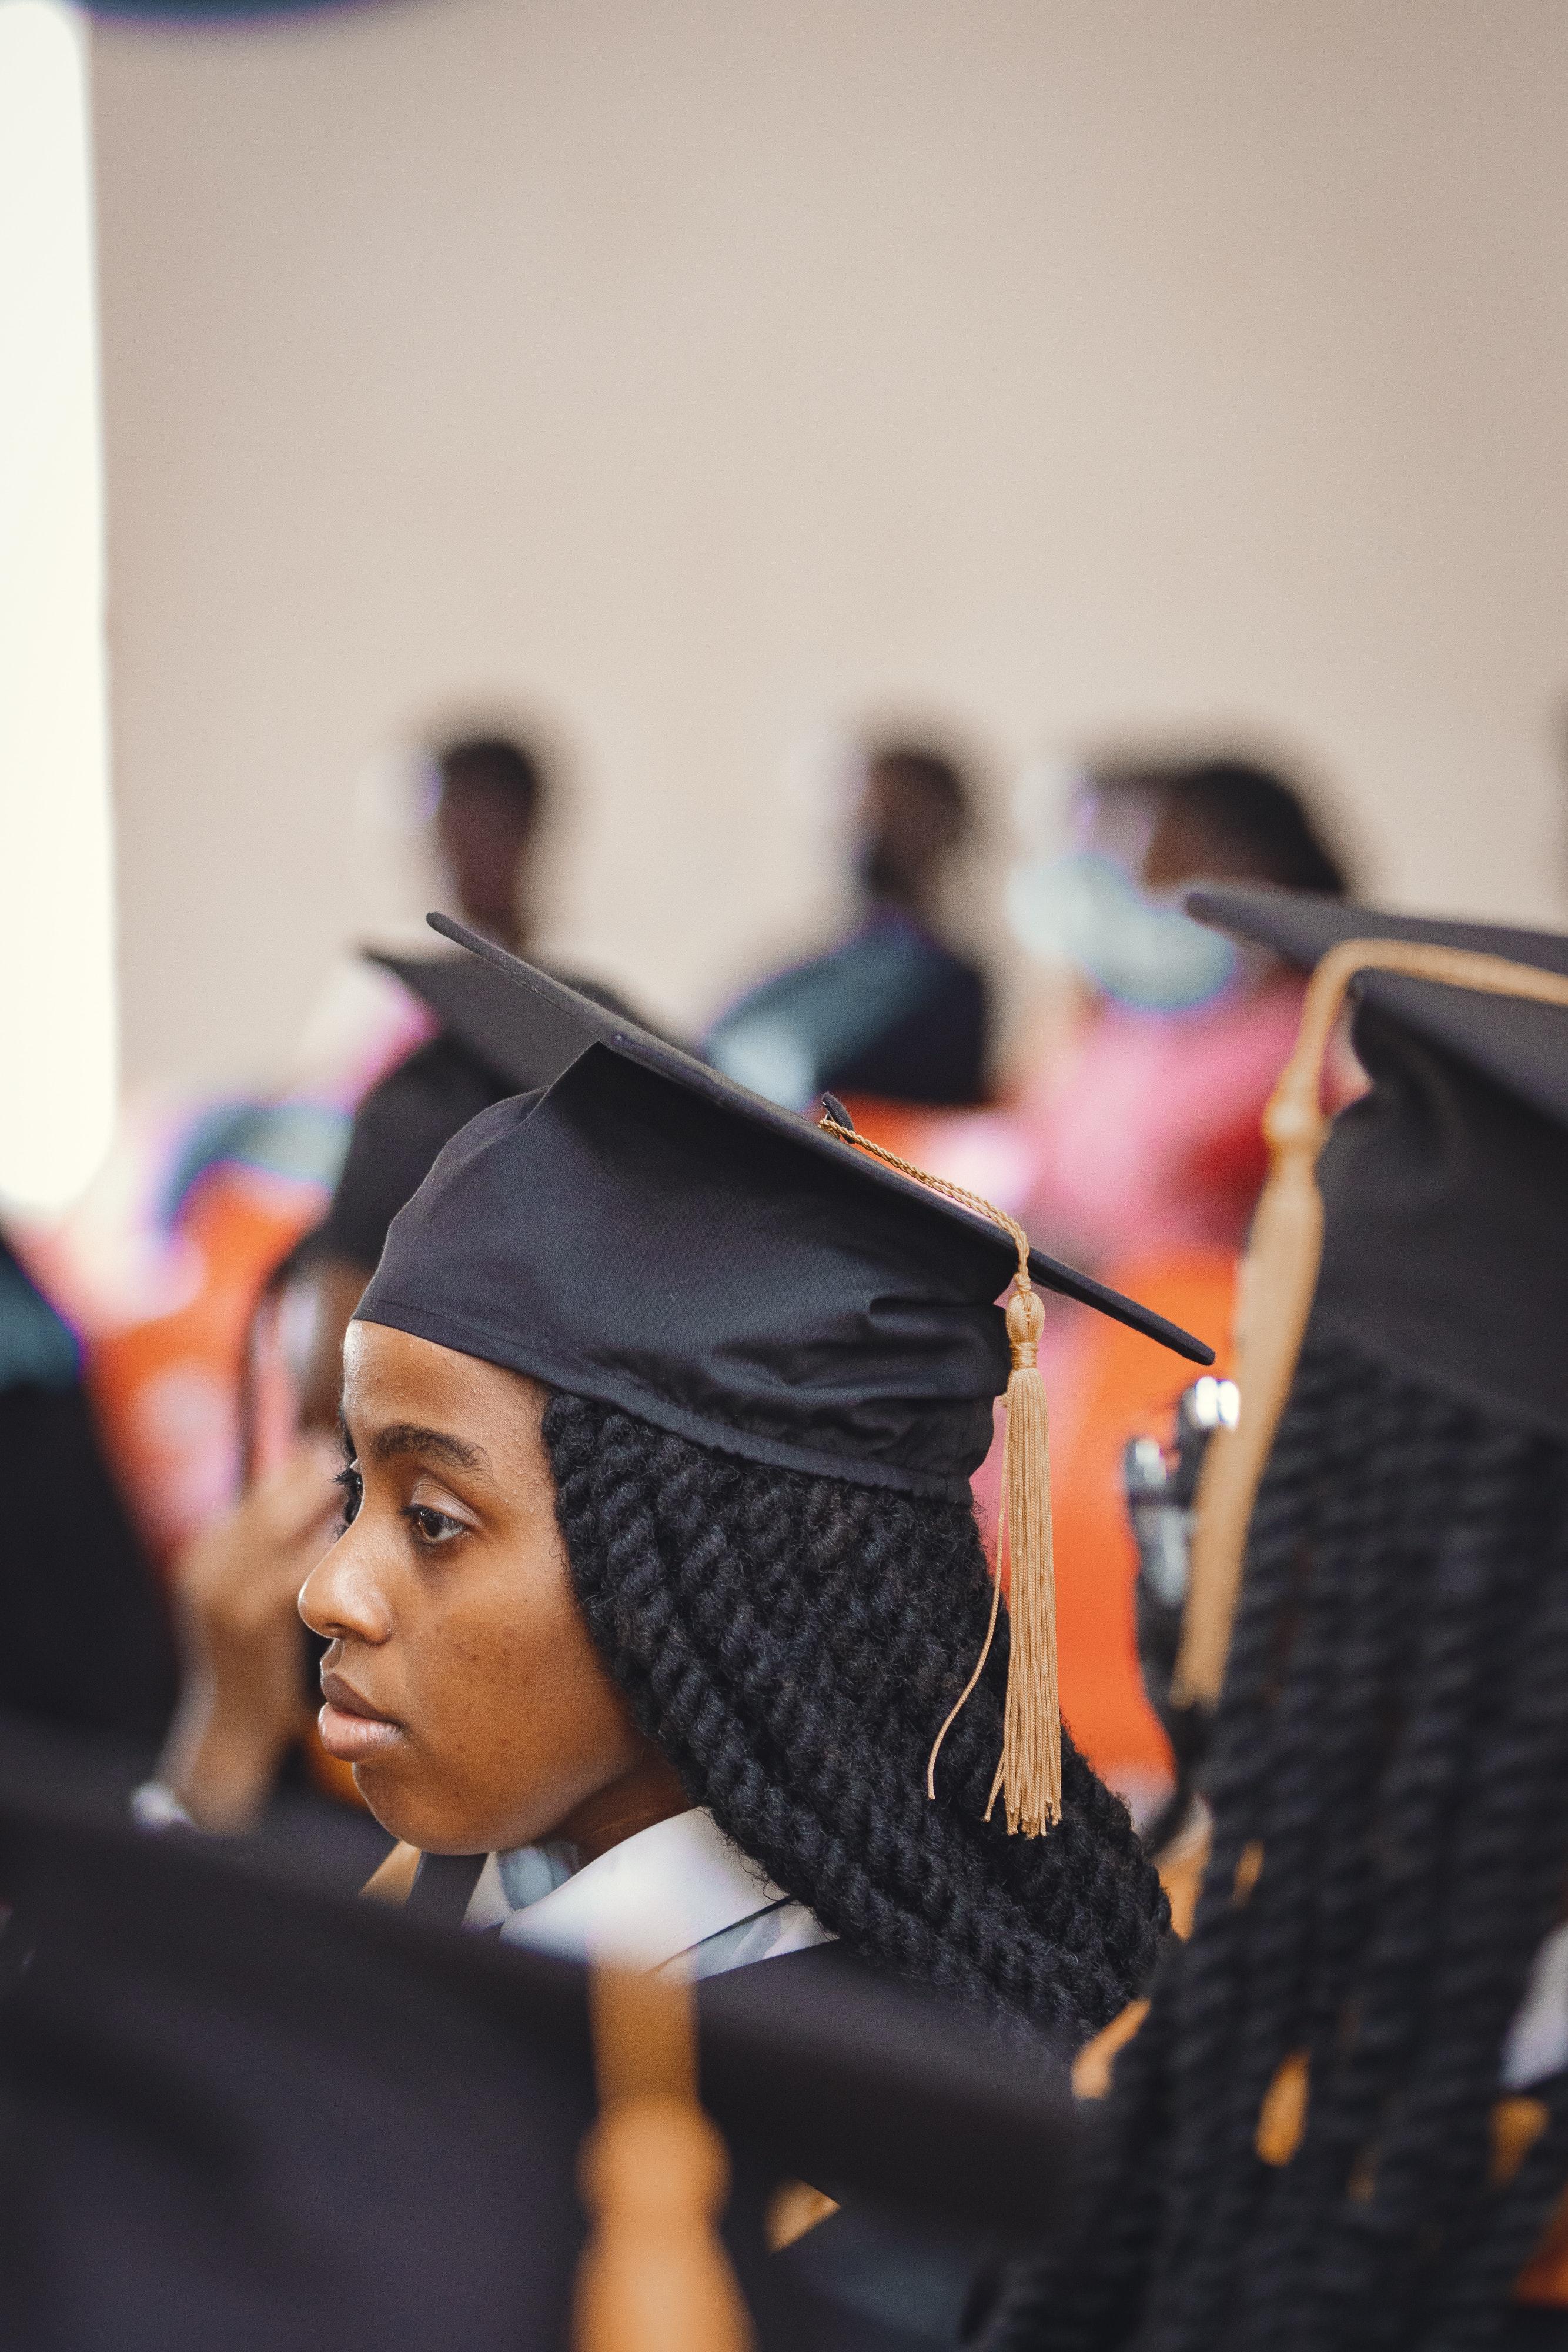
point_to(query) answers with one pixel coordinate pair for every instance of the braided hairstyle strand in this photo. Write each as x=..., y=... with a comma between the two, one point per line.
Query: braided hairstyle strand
x=791, y=1643
x=1390, y=1850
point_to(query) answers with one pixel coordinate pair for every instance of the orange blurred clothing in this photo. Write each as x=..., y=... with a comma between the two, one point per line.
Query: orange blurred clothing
x=167, y=1388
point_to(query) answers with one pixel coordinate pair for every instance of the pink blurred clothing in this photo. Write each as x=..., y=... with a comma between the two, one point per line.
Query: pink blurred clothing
x=1145, y=1136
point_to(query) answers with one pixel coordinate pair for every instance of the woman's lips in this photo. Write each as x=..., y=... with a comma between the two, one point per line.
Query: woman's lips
x=350, y=1729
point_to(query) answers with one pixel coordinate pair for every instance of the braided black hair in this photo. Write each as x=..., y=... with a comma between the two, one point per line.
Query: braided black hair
x=791, y=1643
x=1390, y=1849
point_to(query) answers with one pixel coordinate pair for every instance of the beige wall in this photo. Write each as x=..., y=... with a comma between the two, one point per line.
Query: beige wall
x=704, y=373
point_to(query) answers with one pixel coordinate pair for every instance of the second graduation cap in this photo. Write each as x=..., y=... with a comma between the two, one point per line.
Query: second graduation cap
x=649, y=1235
x=1427, y=1227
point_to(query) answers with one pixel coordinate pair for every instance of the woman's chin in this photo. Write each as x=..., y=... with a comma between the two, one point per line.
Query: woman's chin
x=413, y=1822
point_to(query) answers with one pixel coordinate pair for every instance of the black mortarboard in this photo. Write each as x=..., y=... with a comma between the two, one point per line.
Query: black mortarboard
x=241, y=2115
x=1441, y=1189
x=490, y=1044
x=649, y=1234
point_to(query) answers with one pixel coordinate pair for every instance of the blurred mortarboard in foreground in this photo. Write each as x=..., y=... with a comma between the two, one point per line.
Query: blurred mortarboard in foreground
x=243, y=2116
x=488, y=1045
x=1428, y=1227
x=651, y=1235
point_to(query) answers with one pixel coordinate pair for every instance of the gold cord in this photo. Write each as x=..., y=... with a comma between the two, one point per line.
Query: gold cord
x=1279, y=1274
x=965, y=1200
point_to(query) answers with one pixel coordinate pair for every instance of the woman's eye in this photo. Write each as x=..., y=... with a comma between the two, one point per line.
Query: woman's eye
x=352, y=1488
x=432, y=1527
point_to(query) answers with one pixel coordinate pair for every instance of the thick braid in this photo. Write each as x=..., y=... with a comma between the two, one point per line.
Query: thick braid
x=1212, y=1983
x=1274, y=1935
x=791, y=1643
x=1371, y=2243
x=1399, y=1527
x=1089, y=2298
x=1391, y=1742
x=1469, y=2307
x=1503, y=1880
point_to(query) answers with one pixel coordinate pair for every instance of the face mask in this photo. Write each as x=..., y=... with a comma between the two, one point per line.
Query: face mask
x=1086, y=909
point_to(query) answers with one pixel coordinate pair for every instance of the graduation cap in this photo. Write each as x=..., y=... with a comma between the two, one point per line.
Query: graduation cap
x=243, y=2115
x=649, y=1234
x=1421, y=1228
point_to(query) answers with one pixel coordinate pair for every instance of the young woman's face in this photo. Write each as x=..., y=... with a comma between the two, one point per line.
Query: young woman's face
x=461, y=1683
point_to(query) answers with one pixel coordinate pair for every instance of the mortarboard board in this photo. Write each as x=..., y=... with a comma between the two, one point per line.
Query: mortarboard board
x=243, y=2114
x=1423, y=1226
x=651, y=1235
x=528, y=1045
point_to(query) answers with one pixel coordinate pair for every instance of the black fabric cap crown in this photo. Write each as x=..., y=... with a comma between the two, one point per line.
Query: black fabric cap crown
x=1445, y=1188
x=649, y=1234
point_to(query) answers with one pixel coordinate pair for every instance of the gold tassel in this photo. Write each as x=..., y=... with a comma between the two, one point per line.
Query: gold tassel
x=392, y=1881
x=1028, y=1773
x=1280, y=1276
x=654, y=2276
x=1029, y=1777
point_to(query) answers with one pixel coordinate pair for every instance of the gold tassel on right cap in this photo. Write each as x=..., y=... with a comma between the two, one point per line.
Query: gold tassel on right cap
x=1029, y=1774
x=1279, y=1273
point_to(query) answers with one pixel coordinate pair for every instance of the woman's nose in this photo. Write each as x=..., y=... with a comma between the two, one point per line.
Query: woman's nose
x=342, y=1598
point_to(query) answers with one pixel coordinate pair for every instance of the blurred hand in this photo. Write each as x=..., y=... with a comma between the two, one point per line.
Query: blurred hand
x=242, y=1699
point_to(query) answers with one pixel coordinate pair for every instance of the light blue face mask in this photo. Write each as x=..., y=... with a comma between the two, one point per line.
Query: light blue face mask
x=1084, y=909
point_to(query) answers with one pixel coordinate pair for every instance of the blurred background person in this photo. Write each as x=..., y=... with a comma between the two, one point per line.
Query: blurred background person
x=491, y=802
x=211, y=1275
x=85, y=1643
x=893, y=1010
x=1144, y=1133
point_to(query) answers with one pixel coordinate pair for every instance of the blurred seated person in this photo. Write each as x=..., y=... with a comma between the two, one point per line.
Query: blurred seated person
x=491, y=802
x=85, y=1643
x=892, y=1010
x=1141, y=1130
x=1182, y=1033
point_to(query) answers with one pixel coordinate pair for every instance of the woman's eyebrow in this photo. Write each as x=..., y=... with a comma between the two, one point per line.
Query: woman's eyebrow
x=410, y=1437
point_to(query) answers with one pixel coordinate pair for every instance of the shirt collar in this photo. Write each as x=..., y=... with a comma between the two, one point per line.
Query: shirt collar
x=647, y=1900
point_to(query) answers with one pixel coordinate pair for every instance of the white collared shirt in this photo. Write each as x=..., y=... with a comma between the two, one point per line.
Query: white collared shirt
x=678, y=1891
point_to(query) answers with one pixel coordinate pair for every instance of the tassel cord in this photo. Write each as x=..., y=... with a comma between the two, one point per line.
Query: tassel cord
x=962, y=1701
